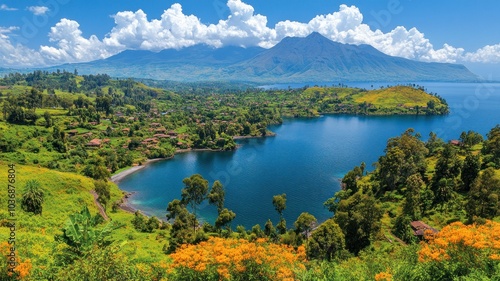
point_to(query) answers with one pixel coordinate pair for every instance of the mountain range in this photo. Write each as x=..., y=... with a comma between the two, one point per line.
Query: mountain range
x=293, y=60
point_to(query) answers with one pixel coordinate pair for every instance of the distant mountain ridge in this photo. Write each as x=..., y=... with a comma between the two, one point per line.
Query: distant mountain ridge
x=295, y=59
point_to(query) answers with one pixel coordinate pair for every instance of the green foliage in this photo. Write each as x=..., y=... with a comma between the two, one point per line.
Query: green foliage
x=304, y=223
x=194, y=192
x=81, y=234
x=483, y=199
x=217, y=196
x=491, y=147
x=33, y=197
x=359, y=218
x=405, y=156
x=102, y=264
x=403, y=230
x=326, y=242
x=470, y=171
x=279, y=203
x=102, y=189
x=412, y=206
x=224, y=219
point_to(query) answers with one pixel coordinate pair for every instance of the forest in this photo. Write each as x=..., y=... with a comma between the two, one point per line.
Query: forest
x=428, y=211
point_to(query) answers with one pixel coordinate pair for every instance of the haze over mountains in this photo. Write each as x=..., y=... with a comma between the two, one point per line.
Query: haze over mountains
x=310, y=59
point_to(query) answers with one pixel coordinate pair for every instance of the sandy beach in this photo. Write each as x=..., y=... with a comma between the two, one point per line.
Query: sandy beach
x=118, y=177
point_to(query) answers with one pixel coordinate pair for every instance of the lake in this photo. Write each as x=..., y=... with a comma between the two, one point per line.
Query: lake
x=307, y=158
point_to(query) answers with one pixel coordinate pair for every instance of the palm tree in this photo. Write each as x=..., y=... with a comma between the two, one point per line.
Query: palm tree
x=32, y=197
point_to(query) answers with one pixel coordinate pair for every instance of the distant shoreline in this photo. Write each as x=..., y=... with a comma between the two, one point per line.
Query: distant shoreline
x=123, y=174
x=126, y=206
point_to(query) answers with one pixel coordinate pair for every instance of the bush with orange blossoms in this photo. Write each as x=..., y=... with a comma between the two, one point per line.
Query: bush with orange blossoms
x=231, y=259
x=465, y=247
x=383, y=276
x=22, y=269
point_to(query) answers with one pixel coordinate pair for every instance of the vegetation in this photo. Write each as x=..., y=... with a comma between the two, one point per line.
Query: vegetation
x=48, y=130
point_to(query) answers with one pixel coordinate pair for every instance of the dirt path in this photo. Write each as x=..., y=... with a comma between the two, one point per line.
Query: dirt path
x=99, y=206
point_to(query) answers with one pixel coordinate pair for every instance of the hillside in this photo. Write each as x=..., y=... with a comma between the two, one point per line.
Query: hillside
x=62, y=135
x=385, y=101
x=293, y=60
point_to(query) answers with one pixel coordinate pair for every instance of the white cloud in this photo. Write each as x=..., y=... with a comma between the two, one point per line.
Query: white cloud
x=72, y=47
x=38, y=10
x=4, y=7
x=243, y=27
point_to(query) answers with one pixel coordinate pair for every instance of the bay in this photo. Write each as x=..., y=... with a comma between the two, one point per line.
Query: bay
x=307, y=158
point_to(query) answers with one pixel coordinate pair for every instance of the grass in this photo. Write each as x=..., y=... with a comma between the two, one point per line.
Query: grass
x=65, y=194
x=395, y=96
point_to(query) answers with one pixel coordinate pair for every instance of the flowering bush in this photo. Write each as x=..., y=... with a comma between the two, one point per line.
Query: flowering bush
x=231, y=259
x=459, y=249
x=22, y=269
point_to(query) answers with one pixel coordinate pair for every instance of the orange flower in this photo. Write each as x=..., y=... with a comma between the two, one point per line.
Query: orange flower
x=230, y=257
x=472, y=244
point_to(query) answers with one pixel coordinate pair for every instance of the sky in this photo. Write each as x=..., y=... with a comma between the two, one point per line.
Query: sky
x=52, y=32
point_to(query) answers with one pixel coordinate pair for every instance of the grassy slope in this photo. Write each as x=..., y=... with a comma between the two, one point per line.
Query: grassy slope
x=66, y=193
x=395, y=96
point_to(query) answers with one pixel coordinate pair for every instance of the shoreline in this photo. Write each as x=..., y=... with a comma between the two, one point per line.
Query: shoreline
x=125, y=205
x=121, y=175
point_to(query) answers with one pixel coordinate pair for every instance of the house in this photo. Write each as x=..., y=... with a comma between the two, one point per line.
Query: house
x=87, y=135
x=172, y=133
x=161, y=130
x=161, y=136
x=106, y=140
x=155, y=125
x=125, y=130
x=419, y=228
x=94, y=143
x=150, y=141
x=456, y=142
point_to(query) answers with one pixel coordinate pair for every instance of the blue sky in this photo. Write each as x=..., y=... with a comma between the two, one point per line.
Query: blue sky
x=49, y=32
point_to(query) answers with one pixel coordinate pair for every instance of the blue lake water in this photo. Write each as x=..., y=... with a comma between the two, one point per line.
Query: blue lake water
x=307, y=158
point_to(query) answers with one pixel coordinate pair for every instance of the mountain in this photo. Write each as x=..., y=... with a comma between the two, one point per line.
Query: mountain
x=309, y=59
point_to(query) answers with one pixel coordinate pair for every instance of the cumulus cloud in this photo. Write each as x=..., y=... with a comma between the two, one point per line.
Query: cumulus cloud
x=71, y=45
x=38, y=10
x=243, y=27
x=4, y=7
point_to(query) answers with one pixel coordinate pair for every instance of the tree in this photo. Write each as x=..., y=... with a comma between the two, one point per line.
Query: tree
x=403, y=230
x=405, y=156
x=491, y=147
x=350, y=179
x=412, y=203
x=359, y=218
x=194, y=192
x=279, y=203
x=102, y=189
x=48, y=119
x=433, y=144
x=216, y=196
x=224, y=219
x=33, y=197
x=326, y=242
x=483, y=199
x=444, y=180
x=470, y=170
x=281, y=226
x=304, y=223
x=269, y=229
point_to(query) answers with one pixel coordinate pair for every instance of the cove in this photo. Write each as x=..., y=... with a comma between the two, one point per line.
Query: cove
x=306, y=159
